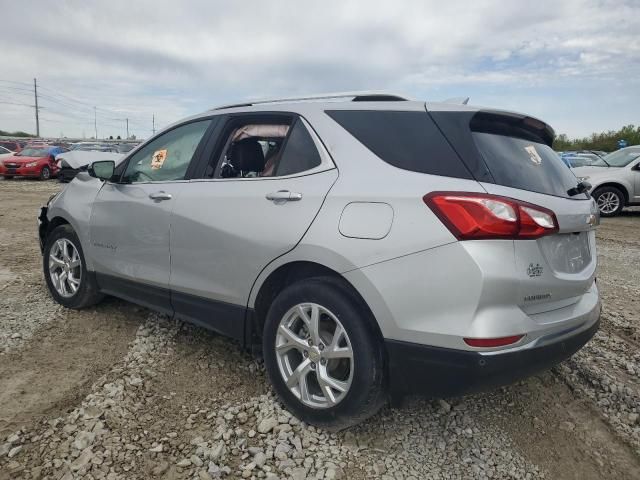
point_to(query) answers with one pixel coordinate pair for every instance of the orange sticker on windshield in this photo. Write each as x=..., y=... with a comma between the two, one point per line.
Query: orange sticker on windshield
x=159, y=156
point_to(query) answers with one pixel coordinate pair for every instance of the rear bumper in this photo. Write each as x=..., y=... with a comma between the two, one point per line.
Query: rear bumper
x=440, y=372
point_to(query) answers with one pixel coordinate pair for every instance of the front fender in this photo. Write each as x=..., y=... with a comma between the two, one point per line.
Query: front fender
x=74, y=205
x=609, y=180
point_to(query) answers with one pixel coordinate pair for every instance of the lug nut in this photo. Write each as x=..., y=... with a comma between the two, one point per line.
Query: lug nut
x=313, y=366
x=305, y=353
x=323, y=361
x=321, y=346
x=310, y=343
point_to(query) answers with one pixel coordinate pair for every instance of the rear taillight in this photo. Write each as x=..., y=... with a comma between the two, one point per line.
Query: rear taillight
x=475, y=216
x=493, y=342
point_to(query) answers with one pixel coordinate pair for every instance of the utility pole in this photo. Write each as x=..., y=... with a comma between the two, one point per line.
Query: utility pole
x=154, y=124
x=95, y=122
x=35, y=92
x=127, y=129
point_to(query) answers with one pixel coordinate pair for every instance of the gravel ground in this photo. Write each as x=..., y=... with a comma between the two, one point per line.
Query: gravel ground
x=118, y=392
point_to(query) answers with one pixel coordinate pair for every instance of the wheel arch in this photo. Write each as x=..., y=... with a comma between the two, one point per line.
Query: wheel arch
x=47, y=226
x=623, y=188
x=290, y=272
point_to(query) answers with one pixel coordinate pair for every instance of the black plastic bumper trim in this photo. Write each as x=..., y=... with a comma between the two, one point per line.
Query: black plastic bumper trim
x=443, y=372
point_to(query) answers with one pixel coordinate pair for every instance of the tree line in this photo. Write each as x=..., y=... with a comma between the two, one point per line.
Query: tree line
x=15, y=134
x=607, y=141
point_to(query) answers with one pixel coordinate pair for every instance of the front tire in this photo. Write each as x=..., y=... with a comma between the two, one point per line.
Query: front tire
x=322, y=355
x=610, y=201
x=8, y=177
x=65, y=270
x=45, y=173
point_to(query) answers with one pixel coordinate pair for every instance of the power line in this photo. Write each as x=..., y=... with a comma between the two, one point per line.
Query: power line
x=73, y=107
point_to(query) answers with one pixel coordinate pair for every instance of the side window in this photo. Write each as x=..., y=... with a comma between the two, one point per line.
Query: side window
x=266, y=147
x=300, y=153
x=167, y=157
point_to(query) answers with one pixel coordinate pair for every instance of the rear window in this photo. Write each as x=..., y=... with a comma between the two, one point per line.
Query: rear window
x=407, y=140
x=524, y=164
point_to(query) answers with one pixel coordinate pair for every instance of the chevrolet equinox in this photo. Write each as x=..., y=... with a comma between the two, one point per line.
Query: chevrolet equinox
x=370, y=246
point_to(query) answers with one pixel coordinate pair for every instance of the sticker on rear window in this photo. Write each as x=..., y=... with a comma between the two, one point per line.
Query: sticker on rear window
x=158, y=158
x=533, y=154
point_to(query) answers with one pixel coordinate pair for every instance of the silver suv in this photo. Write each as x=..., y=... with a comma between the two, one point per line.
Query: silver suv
x=370, y=246
x=614, y=180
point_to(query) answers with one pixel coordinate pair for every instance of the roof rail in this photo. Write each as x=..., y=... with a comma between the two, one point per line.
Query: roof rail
x=365, y=96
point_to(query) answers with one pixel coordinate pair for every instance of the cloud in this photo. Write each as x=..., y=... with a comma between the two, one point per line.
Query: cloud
x=134, y=59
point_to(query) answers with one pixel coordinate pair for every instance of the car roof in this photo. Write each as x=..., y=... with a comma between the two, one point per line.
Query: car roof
x=363, y=100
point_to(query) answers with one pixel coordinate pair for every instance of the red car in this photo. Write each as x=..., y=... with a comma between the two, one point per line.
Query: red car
x=35, y=162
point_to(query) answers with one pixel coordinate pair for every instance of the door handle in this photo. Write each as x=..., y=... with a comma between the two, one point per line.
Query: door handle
x=284, y=195
x=159, y=196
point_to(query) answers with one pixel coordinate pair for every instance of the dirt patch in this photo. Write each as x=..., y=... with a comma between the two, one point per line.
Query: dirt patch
x=55, y=369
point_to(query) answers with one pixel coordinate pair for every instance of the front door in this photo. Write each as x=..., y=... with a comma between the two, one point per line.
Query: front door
x=130, y=219
x=268, y=182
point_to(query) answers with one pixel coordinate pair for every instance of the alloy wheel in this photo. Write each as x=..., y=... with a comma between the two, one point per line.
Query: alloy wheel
x=314, y=355
x=608, y=202
x=65, y=267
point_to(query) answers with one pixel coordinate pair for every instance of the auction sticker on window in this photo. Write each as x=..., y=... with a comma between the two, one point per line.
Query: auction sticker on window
x=534, y=156
x=158, y=158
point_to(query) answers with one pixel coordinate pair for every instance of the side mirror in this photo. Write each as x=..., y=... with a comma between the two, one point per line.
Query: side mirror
x=103, y=169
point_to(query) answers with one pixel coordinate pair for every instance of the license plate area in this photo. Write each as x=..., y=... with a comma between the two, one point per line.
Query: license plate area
x=568, y=253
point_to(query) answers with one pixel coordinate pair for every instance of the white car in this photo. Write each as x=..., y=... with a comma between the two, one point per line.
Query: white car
x=615, y=180
x=74, y=161
x=5, y=152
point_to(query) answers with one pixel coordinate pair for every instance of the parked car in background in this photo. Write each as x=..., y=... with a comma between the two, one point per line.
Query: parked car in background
x=369, y=246
x=580, y=159
x=126, y=147
x=12, y=145
x=32, y=161
x=72, y=162
x=4, y=152
x=615, y=180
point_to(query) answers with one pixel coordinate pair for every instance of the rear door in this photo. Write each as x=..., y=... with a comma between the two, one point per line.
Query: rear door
x=226, y=227
x=511, y=156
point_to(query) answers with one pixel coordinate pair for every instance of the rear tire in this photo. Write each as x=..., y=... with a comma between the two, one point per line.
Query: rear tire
x=45, y=173
x=65, y=270
x=342, y=381
x=8, y=177
x=610, y=201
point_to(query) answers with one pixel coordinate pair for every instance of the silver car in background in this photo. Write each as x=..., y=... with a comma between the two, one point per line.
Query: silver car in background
x=370, y=246
x=615, y=180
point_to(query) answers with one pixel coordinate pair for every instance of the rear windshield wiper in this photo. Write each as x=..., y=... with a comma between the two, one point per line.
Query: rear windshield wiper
x=581, y=187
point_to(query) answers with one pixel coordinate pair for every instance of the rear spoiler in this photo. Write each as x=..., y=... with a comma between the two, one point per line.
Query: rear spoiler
x=513, y=125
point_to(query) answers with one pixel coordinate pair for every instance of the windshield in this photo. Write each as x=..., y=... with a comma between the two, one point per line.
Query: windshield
x=33, y=152
x=583, y=160
x=623, y=157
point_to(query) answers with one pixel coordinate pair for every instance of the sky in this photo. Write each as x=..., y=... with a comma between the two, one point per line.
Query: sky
x=573, y=63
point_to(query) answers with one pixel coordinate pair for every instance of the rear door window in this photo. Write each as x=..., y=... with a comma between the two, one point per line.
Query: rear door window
x=407, y=140
x=300, y=153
